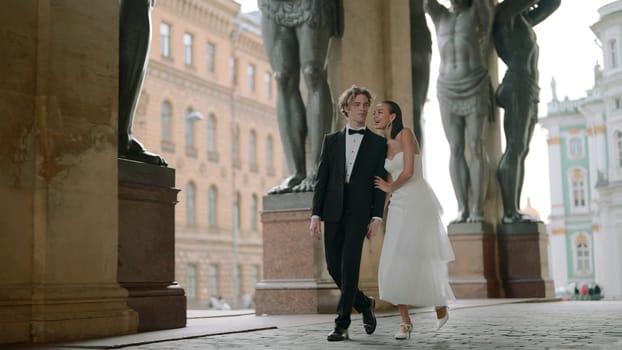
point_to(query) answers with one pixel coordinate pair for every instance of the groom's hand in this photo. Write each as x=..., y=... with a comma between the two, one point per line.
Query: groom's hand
x=315, y=228
x=373, y=227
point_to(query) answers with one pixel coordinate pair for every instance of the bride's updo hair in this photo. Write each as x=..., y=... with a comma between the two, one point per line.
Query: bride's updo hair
x=397, y=124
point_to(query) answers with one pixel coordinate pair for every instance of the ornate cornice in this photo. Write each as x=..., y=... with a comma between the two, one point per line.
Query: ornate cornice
x=186, y=80
x=216, y=15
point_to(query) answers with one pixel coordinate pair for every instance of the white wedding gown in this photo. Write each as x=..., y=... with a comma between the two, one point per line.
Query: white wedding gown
x=416, y=248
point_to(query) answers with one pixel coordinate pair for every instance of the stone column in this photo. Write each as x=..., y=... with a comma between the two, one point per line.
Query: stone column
x=58, y=149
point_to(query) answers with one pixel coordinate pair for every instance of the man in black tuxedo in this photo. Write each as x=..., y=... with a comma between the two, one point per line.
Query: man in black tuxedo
x=351, y=208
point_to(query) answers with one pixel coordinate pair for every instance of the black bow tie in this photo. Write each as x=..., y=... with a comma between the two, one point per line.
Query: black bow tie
x=360, y=131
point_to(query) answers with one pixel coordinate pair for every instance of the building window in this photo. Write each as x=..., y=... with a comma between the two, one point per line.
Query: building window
x=613, y=52
x=165, y=40
x=191, y=282
x=575, y=147
x=166, y=122
x=270, y=155
x=212, y=281
x=267, y=81
x=578, y=188
x=211, y=57
x=190, y=119
x=212, y=206
x=251, y=77
x=211, y=138
x=255, y=275
x=233, y=76
x=617, y=103
x=254, y=211
x=236, y=212
x=618, y=140
x=252, y=151
x=190, y=203
x=235, y=146
x=583, y=256
x=188, y=49
x=237, y=282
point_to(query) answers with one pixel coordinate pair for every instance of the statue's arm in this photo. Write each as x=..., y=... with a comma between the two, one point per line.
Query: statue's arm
x=539, y=13
x=484, y=10
x=339, y=19
x=434, y=9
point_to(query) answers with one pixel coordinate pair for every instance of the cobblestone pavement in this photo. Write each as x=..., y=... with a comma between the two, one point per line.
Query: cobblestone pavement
x=543, y=325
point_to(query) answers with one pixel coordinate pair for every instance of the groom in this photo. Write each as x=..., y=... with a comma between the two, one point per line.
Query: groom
x=351, y=208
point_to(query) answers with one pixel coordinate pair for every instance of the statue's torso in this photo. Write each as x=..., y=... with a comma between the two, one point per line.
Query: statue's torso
x=460, y=45
x=292, y=13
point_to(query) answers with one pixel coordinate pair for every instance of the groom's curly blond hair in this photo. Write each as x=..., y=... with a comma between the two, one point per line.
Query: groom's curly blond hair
x=350, y=94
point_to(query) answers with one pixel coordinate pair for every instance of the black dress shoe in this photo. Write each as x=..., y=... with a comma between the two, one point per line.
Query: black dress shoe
x=338, y=334
x=369, y=318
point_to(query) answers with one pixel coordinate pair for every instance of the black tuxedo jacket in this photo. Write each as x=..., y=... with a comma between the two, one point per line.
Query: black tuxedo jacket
x=364, y=200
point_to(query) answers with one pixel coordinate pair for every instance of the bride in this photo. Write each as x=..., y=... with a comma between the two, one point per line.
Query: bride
x=416, y=248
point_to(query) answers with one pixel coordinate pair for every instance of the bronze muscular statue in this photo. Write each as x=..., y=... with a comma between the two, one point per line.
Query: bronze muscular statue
x=296, y=37
x=517, y=94
x=134, y=43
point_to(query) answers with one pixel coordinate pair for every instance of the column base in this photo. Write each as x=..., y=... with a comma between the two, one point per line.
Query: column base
x=45, y=314
x=523, y=255
x=474, y=272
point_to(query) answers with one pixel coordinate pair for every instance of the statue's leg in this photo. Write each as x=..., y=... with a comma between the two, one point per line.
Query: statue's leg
x=478, y=164
x=533, y=120
x=516, y=128
x=282, y=48
x=453, y=126
x=134, y=43
x=314, y=44
x=420, y=58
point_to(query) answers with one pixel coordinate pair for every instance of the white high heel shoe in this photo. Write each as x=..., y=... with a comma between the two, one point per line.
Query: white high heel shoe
x=407, y=328
x=440, y=322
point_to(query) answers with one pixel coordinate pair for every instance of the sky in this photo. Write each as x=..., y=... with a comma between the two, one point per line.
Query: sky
x=568, y=52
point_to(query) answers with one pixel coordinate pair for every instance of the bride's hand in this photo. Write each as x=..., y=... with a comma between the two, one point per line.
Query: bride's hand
x=382, y=184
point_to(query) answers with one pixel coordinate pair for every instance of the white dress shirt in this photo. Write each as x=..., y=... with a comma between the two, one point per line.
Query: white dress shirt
x=353, y=143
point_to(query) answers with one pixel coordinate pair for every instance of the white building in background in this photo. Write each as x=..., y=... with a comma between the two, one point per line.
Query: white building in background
x=585, y=169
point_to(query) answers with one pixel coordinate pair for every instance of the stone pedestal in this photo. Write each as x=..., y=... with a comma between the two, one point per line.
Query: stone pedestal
x=474, y=273
x=295, y=277
x=147, y=198
x=523, y=260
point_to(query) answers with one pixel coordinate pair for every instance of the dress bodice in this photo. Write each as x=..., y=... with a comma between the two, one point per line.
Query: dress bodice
x=395, y=166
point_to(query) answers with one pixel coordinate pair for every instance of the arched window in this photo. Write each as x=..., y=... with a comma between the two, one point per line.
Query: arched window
x=189, y=127
x=254, y=211
x=235, y=146
x=190, y=203
x=236, y=212
x=270, y=155
x=166, y=121
x=252, y=150
x=583, y=254
x=211, y=134
x=213, y=205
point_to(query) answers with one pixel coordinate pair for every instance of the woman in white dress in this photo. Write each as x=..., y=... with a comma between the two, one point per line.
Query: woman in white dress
x=416, y=248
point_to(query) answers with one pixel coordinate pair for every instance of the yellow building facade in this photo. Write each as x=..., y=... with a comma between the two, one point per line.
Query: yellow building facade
x=208, y=107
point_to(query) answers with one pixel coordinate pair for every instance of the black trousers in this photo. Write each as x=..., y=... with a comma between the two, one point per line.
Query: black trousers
x=343, y=246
